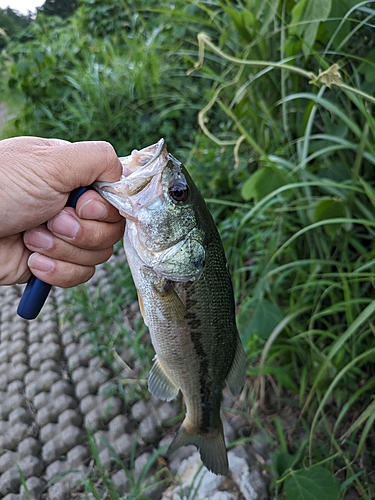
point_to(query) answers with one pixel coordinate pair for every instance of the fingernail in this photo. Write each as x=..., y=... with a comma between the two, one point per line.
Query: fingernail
x=93, y=209
x=64, y=225
x=41, y=263
x=39, y=238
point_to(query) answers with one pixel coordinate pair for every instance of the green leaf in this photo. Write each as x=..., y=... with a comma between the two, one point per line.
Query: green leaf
x=350, y=480
x=265, y=317
x=369, y=190
x=38, y=56
x=24, y=67
x=329, y=209
x=261, y=183
x=306, y=17
x=281, y=462
x=367, y=68
x=243, y=20
x=336, y=19
x=317, y=483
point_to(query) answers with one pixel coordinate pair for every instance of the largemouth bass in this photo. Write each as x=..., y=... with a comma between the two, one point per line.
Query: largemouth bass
x=185, y=294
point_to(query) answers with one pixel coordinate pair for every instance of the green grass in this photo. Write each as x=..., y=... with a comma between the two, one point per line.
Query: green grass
x=300, y=245
x=100, y=485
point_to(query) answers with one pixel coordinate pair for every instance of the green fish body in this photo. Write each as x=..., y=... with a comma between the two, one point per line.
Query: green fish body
x=185, y=293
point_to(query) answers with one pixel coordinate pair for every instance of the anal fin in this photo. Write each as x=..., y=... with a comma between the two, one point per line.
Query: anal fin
x=237, y=374
x=159, y=383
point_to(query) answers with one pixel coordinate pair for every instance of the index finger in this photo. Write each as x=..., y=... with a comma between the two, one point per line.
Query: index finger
x=91, y=205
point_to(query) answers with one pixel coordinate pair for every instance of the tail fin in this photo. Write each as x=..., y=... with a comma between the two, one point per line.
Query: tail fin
x=212, y=448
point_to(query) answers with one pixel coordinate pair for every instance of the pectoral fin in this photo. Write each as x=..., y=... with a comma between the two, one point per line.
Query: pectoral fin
x=173, y=307
x=159, y=383
x=237, y=374
x=170, y=304
x=142, y=308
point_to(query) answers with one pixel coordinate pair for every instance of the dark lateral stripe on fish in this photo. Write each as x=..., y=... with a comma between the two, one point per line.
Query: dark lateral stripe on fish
x=204, y=388
x=195, y=323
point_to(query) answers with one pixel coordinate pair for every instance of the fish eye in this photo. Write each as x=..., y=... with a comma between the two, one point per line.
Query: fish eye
x=179, y=192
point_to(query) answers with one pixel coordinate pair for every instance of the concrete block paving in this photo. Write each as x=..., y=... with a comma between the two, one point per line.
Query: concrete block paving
x=51, y=394
x=55, y=393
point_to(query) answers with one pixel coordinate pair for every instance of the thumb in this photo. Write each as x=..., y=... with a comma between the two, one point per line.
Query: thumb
x=86, y=162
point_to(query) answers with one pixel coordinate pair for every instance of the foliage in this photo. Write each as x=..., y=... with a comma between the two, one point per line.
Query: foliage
x=128, y=88
x=102, y=18
x=62, y=8
x=283, y=93
x=11, y=23
x=300, y=241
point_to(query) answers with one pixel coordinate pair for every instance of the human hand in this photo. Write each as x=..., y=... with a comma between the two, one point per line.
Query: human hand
x=37, y=176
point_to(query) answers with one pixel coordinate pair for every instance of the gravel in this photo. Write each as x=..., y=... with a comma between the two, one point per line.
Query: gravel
x=53, y=390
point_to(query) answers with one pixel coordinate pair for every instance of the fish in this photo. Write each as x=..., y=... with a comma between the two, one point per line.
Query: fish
x=185, y=294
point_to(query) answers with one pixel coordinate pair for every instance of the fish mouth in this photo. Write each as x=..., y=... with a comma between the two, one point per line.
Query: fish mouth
x=143, y=162
x=138, y=170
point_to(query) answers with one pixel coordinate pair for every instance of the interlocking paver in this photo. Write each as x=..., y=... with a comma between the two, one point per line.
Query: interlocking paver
x=30, y=445
x=123, y=445
x=70, y=417
x=120, y=425
x=34, y=487
x=7, y=460
x=54, y=391
x=62, y=443
x=121, y=481
x=15, y=386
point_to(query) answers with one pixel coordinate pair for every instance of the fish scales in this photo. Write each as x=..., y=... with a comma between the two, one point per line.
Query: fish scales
x=185, y=293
